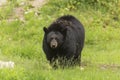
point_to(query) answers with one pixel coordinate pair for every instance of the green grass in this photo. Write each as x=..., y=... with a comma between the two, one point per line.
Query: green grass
x=21, y=41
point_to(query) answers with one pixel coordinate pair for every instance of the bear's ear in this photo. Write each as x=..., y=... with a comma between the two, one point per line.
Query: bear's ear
x=45, y=30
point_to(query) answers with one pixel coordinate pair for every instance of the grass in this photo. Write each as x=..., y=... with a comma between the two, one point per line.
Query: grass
x=21, y=41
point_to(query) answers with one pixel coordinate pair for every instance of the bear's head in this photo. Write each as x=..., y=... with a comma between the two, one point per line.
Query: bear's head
x=55, y=38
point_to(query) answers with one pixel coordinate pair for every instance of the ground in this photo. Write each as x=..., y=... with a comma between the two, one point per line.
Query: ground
x=20, y=41
x=19, y=11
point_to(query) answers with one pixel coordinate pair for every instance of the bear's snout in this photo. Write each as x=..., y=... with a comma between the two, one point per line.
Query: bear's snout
x=53, y=44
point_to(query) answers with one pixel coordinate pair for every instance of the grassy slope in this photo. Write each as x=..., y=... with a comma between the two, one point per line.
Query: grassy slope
x=22, y=42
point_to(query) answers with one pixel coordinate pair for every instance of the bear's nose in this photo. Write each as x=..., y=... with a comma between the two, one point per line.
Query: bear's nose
x=53, y=44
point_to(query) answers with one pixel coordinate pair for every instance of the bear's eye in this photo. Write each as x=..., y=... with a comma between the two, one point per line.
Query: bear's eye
x=52, y=38
x=56, y=38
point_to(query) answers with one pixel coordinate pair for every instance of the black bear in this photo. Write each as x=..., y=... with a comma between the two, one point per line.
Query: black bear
x=64, y=40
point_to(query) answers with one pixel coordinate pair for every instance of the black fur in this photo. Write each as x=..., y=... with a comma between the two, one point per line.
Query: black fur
x=72, y=44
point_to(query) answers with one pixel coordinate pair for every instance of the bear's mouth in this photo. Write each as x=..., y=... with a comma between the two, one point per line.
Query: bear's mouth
x=53, y=46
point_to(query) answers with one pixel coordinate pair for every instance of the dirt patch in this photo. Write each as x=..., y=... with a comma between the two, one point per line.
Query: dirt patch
x=37, y=3
x=109, y=66
x=2, y=2
x=100, y=66
x=18, y=12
